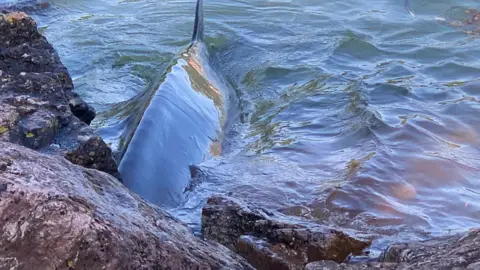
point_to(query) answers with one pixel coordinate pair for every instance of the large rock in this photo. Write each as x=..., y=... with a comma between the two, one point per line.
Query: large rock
x=38, y=106
x=57, y=215
x=449, y=252
x=268, y=241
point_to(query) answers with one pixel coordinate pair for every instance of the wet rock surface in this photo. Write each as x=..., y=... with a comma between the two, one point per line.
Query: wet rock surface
x=268, y=241
x=38, y=106
x=449, y=252
x=57, y=215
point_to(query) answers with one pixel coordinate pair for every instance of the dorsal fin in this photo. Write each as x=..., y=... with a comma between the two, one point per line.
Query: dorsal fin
x=198, y=27
x=406, y=4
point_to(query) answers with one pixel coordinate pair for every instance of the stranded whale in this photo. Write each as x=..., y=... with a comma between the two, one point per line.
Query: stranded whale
x=181, y=125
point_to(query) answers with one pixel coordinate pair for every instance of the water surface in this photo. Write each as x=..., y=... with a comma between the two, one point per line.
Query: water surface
x=356, y=113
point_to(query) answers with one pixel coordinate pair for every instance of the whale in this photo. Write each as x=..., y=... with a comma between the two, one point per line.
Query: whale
x=182, y=124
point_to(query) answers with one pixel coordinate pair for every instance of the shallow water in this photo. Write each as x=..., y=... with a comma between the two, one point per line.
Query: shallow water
x=356, y=113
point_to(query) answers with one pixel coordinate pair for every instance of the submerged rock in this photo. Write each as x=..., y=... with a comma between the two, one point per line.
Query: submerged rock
x=449, y=252
x=268, y=241
x=38, y=106
x=57, y=215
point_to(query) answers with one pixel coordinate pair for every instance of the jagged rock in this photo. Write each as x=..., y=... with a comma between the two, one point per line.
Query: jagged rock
x=57, y=215
x=16, y=30
x=94, y=153
x=38, y=106
x=443, y=253
x=81, y=109
x=268, y=241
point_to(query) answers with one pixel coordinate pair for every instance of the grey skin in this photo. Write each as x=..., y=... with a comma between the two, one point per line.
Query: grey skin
x=182, y=125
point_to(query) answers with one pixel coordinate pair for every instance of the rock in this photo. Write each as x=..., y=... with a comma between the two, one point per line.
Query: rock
x=331, y=265
x=16, y=29
x=8, y=121
x=38, y=107
x=57, y=215
x=95, y=154
x=25, y=5
x=81, y=109
x=39, y=129
x=448, y=252
x=269, y=241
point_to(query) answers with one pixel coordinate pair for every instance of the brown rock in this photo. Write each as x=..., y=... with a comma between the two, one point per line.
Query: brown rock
x=94, y=153
x=56, y=215
x=269, y=241
x=443, y=253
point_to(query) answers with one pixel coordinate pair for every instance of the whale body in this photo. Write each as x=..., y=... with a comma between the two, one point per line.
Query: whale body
x=181, y=125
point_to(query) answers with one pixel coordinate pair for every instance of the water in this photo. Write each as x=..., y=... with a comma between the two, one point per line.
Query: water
x=356, y=113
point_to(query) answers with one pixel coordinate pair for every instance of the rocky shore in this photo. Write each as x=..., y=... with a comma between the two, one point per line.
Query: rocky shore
x=61, y=206
x=38, y=108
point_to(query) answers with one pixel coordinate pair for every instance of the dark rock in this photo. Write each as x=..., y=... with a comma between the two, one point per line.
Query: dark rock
x=57, y=215
x=16, y=29
x=448, y=252
x=38, y=107
x=197, y=176
x=271, y=241
x=81, y=109
x=95, y=154
x=3, y=186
